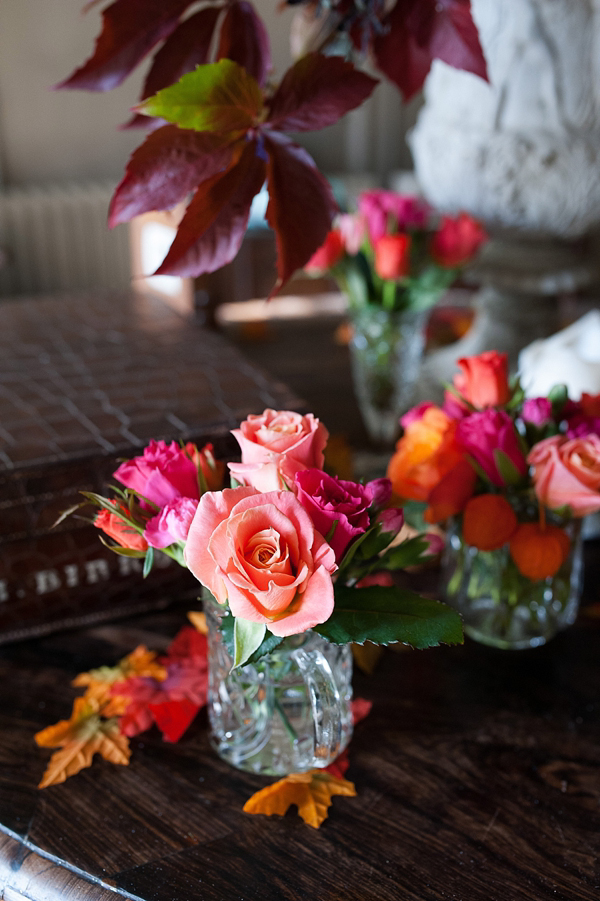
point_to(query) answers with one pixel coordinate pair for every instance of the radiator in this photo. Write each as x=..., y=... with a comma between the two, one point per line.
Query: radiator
x=55, y=238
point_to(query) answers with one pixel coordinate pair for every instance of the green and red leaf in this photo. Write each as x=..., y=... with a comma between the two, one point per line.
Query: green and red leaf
x=316, y=92
x=213, y=228
x=170, y=164
x=301, y=204
x=244, y=39
x=130, y=29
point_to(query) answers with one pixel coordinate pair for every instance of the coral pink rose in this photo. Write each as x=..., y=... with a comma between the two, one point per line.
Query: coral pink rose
x=119, y=530
x=483, y=380
x=262, y=554
x=567, y=473
x=352, y=228
x=284, y=441
x=172, y=524
x=161, y=473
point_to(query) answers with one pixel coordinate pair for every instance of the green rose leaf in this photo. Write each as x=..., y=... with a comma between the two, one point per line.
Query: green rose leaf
x=409, y=553
x=218, y=97
x=388, y=615
x=507, y=469
x=247, y=638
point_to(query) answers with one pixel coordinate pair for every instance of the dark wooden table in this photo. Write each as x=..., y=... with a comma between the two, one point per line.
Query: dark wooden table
x=478, y=778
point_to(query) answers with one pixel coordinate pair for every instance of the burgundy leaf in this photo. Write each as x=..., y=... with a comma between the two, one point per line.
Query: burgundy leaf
x=187, y=47
x=453, y=37
x=317, y=91
x=212, y=230
x=398, y=54
x=301, y=205
x=169, y=164
x=130, y=29
x=244, y=39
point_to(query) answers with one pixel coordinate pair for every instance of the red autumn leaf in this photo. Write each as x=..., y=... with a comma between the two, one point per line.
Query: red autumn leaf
x=214, y=225
x=189, y=644
x=174, y=717
x=301, y=204
x=316, y=92
x=361, y=708
x=244, y=39
x=187, y=47
x=130, y=29
x=166, y=168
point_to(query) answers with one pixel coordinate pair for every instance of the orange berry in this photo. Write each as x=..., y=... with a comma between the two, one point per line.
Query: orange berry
x=488, y=522
x=539, y=553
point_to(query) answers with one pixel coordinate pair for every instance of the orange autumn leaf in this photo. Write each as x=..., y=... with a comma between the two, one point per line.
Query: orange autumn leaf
x=86, y=733
x=311, y=792
x=198, y=621
x=98, y=682
x=539, y=552
x=489, y=521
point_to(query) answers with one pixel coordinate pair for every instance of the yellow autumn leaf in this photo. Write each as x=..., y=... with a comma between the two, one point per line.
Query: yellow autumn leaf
x=86, y=733
x=311, y=793
x=367, y=656
x=198, y=621
x=98, y=682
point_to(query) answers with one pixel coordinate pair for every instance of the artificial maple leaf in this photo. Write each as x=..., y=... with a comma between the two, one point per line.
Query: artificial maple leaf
x=311, y=793
x=130, y=29
x=361, y=708
x=198, y=621
x=190, y=643
x=86, y=733
x=340, y=765
x=367, y=656
x=98, y=682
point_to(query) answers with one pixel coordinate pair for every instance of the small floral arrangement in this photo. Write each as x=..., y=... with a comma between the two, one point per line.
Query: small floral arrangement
x=288, y=548
x=391, y=254
x=516, y=473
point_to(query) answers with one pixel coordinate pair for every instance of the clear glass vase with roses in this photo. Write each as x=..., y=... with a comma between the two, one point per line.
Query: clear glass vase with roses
x=513, y=479
x=286, y=558
x=393, y=262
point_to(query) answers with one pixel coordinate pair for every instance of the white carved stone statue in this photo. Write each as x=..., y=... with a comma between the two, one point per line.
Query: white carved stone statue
x=522, y=154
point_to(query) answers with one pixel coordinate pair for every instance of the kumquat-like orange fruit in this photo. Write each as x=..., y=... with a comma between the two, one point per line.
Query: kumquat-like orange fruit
x=539, y=552
x=488, y=522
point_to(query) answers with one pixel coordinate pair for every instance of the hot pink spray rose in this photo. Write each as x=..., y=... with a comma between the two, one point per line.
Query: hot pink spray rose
x=162, y=473
x=172, y=524
x=567, y=473
x=330, y=501
x=262, y=553
x=275, y=445
x=480, y=434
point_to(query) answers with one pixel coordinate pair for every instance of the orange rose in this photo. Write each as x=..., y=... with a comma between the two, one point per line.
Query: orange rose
x=484, y=379
x=424, y=455
x=120, y=531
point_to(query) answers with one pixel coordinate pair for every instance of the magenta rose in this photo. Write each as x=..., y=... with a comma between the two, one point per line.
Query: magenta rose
x=480, y=434
x=162, y=473
x=262, y=554
x=331, y=501
x=387, y=211
x=275, y=445
x=172, y=524
x=537, y=411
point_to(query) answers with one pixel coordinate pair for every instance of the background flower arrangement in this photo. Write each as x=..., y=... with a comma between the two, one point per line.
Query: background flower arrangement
x=517, y=475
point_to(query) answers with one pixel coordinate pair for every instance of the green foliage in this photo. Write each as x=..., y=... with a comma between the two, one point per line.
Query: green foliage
x=389, y=615
x=247, y=638
x=507, y=469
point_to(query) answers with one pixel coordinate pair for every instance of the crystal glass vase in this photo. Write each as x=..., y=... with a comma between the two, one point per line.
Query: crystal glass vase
x=500, y=606
x=287, y=713
x=385, y=351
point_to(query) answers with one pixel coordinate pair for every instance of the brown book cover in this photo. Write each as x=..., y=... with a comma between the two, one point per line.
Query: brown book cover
x=85, y=381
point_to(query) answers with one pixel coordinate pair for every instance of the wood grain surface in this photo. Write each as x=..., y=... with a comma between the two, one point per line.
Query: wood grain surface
x=478, y=779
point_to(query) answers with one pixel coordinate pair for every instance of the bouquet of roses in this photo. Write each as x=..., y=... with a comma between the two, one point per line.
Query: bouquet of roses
x=517, y=473
x=391, y=254
x=288, y=548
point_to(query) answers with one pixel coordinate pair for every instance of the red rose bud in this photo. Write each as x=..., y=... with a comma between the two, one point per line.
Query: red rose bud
x=328, y=254
x=457, y=240
x=392, y=256
x=120, y=531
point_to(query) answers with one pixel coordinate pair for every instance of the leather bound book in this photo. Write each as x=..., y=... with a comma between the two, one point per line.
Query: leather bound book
x=86, y=381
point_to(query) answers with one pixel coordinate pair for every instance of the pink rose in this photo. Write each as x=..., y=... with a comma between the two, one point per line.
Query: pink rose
x=162, y=473
x=391, y=520
x=480, y=434
x=386, y=211
x=285, y=440
x=567, y=473
x=172, y=524
x=329, y=500
x=352, y=228
x=537, y=411
x=262, y=554
x=415, y=413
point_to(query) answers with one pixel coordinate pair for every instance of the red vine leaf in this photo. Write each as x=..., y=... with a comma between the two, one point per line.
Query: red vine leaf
x=212, y=230
x=187, y=47
x=130, y=29
x=244, y=39
x=316, y=92
x=166, y=168
x=301, y=204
